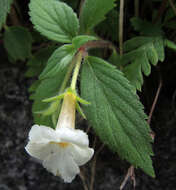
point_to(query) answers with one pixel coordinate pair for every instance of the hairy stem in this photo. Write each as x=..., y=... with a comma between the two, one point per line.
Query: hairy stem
x=98, y=44
x=79, y=57
x=121, y=15
x=67, y=76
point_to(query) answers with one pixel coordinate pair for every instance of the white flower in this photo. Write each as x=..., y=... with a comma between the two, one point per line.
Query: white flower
x=61, y=151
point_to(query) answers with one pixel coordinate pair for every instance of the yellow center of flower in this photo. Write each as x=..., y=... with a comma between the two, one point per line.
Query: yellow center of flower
x=62, y=144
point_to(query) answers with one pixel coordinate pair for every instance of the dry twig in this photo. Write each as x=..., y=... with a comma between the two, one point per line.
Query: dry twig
x=131, y=173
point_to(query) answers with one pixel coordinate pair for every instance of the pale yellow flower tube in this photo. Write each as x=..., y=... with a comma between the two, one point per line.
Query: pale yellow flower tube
x=67, y=114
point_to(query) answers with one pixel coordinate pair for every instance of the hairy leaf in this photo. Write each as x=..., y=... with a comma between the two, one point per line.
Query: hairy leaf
x=116, y=113
x=93, y=12
x=58, y=61
x=5, y=9
x=146, y=28
x=54, y=19
x=110, y=26
x=38, y=61
x=18, y=42
x=141, y=52
x=45, y=89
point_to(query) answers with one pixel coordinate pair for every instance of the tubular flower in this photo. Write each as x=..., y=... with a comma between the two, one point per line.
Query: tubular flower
x=63, y=150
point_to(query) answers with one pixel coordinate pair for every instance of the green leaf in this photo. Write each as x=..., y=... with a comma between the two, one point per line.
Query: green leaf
x=146, y=28
x=93, y=12
x=135, y=42
x=134, y=74
x=33, y=86
x=114, y=59
x=5, y=9
x=159, y=46
x=47, y=88
x=143, y=51
x=109, y=26
x=38, y=61
x=116, y=113
x=170, y=44
x=58, y=61
x=78, y=41
x=18, y=42
x=54, y=19
x=46, y=112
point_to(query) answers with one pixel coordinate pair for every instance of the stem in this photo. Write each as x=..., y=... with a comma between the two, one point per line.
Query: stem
x=121, y=26
x=67, y=76
x=14, y=17
x=136, y=8
x=62, y=88
x=161, y=11
x=154, y=102
x=80, y=7
x=173, y=6
x=130, y=174
x=5, y=27
x=93, y=167
x=98, y=44
x=83, y=180
x=76, y=71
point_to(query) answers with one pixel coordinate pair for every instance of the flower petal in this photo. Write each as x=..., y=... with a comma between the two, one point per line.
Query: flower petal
x=43, y=134
x=81, y=155
x=74, y=136
x=62, y=163
x=40, y=150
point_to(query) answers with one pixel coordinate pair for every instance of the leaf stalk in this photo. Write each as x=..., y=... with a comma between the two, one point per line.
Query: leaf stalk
x=76, y=70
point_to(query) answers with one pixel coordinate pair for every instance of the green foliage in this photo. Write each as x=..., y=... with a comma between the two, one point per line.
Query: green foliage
x=54, y=19
x=78, y=41
x=169, y=20
x=110, y=26
x=46, y=88
x=141, y=52
x=58, y=61
x=93, y=12
x=116, y=113
x=5, y=9
x=38, y=61
x=18, y=42
x=146, y=28
x=170, y=44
